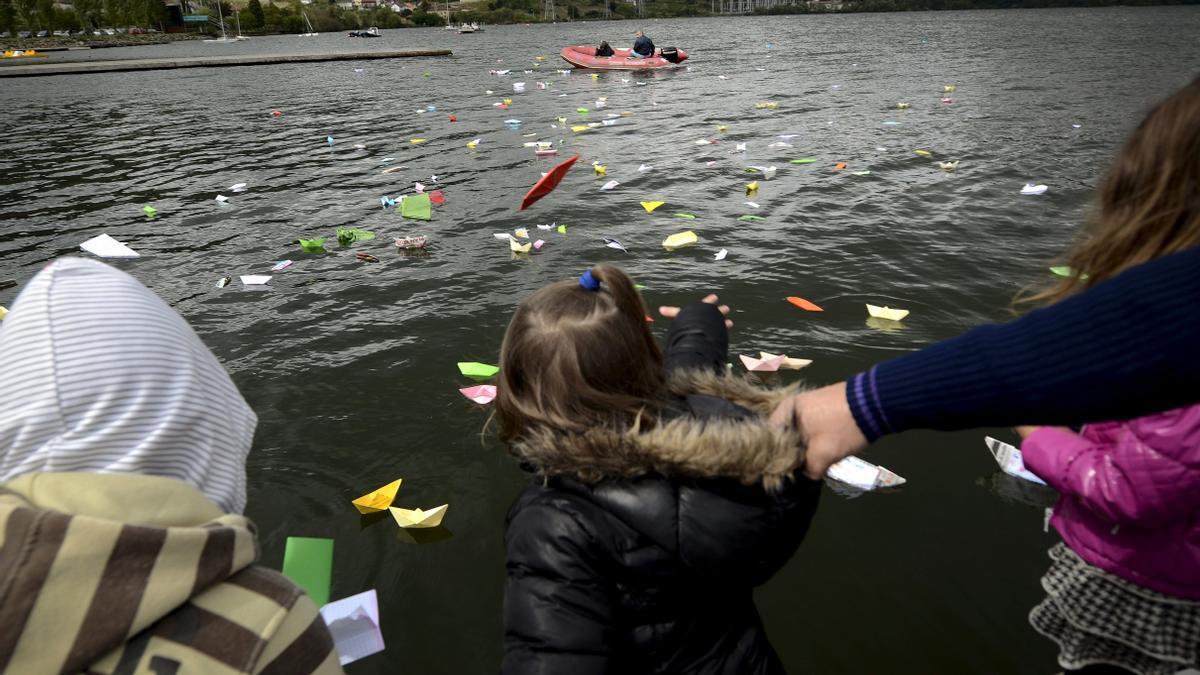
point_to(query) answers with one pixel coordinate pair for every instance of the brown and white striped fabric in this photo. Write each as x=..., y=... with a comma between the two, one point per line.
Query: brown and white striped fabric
x=118, y=575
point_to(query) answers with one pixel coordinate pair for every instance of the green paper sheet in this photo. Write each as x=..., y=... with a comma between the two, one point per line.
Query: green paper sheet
x=476, y=369
x=806, y=160
x=309, y=563
x=417, y=207
x=347, y=236
x=684, y=215
x=749, y=218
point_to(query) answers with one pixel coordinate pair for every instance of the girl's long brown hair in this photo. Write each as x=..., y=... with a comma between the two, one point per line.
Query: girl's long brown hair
x=575, y=358
x=1148, y=205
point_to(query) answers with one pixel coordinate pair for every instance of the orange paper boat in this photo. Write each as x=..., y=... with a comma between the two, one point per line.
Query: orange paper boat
x=804, y=304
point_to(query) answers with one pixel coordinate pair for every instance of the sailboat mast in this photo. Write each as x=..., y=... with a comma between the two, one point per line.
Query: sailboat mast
x=221, y=18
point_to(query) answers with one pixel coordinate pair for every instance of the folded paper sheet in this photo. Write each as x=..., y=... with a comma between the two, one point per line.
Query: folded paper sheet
x=482, y=394
x=354, y=624
x=476, y=369
x=763, y=365
x=613, y=243
x=804, y=304
x=547, y=183
x=650, y=206
x=418, y=518
x=517, y=247
x=106, y=247
x=680, y=239
x=887, y=313
x=1010, y=460
x=863, y=475
x=378, y=500
x=309, y=563
x=788, y=362
x=417, y=207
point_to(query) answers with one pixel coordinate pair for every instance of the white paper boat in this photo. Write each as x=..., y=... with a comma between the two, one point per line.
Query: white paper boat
x=502, y=236
x=763, y=365
x=887, y=313
x=106, y=247
x=1033, y=189
x=255, y=279
x=613, y=243
x=863, y=475
x=721, y=254
x=222, y=199
x=788, y=362
x=416, y=518
x=1010, y=460
x=609, y=185
x=418, y=241
x=948, y=166
x=354, y=624
x=237, y=187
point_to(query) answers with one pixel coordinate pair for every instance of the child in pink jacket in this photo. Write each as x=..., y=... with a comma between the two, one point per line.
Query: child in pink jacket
x=1123, y=590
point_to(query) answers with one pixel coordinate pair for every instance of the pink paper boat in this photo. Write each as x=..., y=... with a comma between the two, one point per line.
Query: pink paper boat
x=761, y=365
x=482, y=394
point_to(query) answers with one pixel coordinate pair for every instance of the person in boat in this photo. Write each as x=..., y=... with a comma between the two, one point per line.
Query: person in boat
x=643, y=48
x=604, y=49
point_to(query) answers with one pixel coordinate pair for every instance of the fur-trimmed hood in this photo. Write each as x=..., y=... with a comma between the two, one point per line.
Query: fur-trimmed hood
x=736, y=442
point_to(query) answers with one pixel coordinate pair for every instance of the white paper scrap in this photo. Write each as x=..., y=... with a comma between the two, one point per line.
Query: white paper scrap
x=354, y=624
x=1010, y=460
x=237, y=187
x=1033, y=189
x=255, y=279
x=106, y=247
x=609, y=185
x=721, y=254
x=222, y=198
x=863, y=475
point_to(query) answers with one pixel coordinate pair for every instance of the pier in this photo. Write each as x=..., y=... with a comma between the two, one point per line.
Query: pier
x=116, y=66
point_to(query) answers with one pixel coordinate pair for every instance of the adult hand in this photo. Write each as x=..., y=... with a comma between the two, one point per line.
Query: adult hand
x=672, y=312
x=824, y=419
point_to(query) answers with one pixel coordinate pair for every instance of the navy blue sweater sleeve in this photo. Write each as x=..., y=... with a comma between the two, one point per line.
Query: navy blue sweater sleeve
x=698, y=339
x=1124, y=348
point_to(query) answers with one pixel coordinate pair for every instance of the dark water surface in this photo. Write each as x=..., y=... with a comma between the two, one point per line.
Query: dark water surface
x=351, y=365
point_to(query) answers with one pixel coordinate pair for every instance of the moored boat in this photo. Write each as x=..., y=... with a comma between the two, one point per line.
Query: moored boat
x=584, y=56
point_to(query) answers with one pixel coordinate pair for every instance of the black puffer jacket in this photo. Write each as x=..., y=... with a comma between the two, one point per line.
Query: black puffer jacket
x=655, y=574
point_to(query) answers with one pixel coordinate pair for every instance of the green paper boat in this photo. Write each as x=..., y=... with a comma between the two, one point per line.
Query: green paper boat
x=806, y=160
x=476, y=369
x=150, y=211
x=347, y=236
x=313, y=245
x=749, y=218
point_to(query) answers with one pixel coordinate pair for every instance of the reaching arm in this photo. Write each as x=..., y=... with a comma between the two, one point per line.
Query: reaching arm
x=698, y=339
x=1121, y=349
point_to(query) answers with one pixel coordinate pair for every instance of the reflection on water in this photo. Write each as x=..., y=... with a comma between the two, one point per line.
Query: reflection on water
x=351, y=366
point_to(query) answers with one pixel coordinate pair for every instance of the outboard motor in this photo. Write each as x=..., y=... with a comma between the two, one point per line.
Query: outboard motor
x=671, y=54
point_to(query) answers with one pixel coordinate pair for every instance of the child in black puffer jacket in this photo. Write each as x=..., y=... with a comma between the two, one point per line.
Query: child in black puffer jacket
x=662, y=496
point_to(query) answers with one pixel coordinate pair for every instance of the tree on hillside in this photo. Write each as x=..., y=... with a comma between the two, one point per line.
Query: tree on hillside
x=45, y=14
x=255, y=19
x=8, y=16
x=88, y=13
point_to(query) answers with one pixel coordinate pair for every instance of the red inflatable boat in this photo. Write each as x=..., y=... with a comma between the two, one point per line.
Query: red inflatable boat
x=584, y=56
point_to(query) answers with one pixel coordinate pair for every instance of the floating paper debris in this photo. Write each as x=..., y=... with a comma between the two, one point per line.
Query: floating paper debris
x=416, y=141
x=313, y=245
x=349, y=235
x=481, y=394
x=748, y=218
x=609, y=185
x=644, y=168
x=766, y=105
x=923, y=153
x=437, y=197
x=788, y=362
x=474, y=144
x=948, y=88
x=902, y=105
x=105, y=246
x=545, y=152
x=1010, y=460
x=804, y=304
x=537, y=245
x=650, y=206
x=613, y=243
x=413, y=242
x=863, y=474
x=378, y=500
x=680, y=239
x=720, y=255
x=948, y=166
x=255, y=279
x=417, y=207
x=237, y=187
x=475, y=369
x=780, y=144
x=1033, y=189
x=562, y=229
x=751, y=188
x=353, y=623
x=329, y=140
x=887, y=313
x=687, y=216
x=223, y=282
x=518, y=247
x=417, y=518
x=150, y=211
x=547, y=183
x=600, y=170
x=839, y=166
x=363, y=256
x=753, y=205
x=864, y=172
x=281, y=265
x=761, y=365
x=805, y=160
x=740, y=147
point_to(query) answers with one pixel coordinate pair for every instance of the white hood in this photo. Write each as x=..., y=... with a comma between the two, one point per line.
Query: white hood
x=100, y=375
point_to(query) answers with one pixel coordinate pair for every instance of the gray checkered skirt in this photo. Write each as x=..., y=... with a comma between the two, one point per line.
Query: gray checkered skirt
x=1096, y=617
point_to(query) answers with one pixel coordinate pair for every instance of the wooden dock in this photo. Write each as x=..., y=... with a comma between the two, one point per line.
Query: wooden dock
x=85, y=67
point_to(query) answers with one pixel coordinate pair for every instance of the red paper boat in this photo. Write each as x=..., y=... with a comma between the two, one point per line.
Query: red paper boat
x=547, y=184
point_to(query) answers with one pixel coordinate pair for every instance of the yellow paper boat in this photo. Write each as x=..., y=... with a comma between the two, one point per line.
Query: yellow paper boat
x=949, y=88
x=579, y=128
x=751, y=187
x=902, y=105
x=416, y=141
x=680, y=239
x=3, y=312
x=887, y=313
x=923, y=153
x=788, y=362
x=416, y=518
x=518, y=247
x=379, y=499
x=650, y=206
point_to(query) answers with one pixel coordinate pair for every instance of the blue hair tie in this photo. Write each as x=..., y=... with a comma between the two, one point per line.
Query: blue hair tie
x=588, y=281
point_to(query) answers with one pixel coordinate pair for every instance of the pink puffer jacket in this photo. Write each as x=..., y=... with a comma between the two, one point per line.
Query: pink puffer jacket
x=1130, y=496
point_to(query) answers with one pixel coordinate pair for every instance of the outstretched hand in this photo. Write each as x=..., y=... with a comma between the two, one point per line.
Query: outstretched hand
x=672, y=312
x=823, y=418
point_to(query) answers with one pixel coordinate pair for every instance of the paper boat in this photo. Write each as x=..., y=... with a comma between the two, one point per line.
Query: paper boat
x=255, y=279
x=887, y=313
x=863, y=475
x=477, y=369
x=788, y=362
x=948, y=166
x=1033, y=189
x=545, y=152
x=609, y=185
x=650, y=206
x=518, y=247
x=763, y=365
x=378, y=500
x=106, y=247
x=1010, y=460
x=613, y=243
x=417, y=518
x=482, y=394
x=720, y=255
x=680, y=239
x=418, y=241
x=804, y=304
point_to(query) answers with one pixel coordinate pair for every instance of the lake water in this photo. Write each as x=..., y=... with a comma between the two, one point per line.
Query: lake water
x=351, y=366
